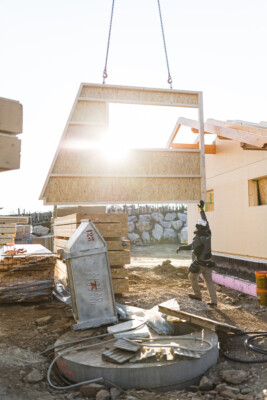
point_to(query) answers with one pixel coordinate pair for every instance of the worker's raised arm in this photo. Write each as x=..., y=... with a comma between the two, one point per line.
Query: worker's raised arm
x=202, y=212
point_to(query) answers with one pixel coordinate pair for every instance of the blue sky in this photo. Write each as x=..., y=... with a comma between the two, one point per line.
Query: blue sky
x=49, y=47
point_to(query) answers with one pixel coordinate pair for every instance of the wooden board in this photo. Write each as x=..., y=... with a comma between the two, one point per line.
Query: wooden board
x=122, y=190
x=114, y=245
x=10, y=116
x=96, y=218
x=120, y=286
x=9, y=152
x=63, y=211
x=15, y=220
x=119, y=273
x=141, y=162
x=119, y=257
x=107, y=230
x=198, y=320
x=76, y=170
x=7, y=228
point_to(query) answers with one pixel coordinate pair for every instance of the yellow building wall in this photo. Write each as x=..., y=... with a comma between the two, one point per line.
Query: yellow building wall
x=237, y=228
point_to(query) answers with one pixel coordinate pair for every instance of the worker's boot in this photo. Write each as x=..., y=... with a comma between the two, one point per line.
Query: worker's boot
x=210, y=303
x=193, y=296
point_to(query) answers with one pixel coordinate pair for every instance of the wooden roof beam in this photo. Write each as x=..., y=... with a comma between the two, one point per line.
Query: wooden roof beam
x=239, y=126
x=209, y=148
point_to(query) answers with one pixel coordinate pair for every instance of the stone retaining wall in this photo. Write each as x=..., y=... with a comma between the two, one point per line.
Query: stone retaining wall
x=158, y=227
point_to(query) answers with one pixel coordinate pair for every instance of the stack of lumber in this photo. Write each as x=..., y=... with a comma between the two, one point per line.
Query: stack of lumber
x=113, y=227
x=8, y=228
x=28, y=276
x=23, y=234
x=10, y=127
x=63, y=211
x=7, y=233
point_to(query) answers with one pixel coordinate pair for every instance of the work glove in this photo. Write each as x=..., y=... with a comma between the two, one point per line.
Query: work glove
x=201, y=204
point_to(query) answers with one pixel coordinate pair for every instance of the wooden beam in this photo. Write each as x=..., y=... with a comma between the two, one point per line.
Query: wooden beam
x=198, y=320
x=209, y=133
x=139, y=95
x=209, y=148
x=9, y=152
x=250, y=147
x=10, y=116
x=239, y=126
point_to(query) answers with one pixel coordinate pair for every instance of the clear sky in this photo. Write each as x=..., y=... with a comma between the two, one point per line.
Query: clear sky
x=48, y=47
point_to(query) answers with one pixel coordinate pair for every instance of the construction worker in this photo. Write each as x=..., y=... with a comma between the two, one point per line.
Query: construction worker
x=202, y=258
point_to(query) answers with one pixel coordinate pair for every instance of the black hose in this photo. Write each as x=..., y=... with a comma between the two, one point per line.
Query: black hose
x=250, y=347
x=253, y=347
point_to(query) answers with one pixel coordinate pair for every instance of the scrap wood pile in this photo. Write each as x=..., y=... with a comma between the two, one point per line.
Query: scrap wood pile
x=113, y=227
x=26, y=276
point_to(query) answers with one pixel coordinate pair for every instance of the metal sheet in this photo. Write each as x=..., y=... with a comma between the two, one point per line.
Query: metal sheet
x=90, y=278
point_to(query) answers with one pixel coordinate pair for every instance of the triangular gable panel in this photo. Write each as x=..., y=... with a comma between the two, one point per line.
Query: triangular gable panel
x=83, y=175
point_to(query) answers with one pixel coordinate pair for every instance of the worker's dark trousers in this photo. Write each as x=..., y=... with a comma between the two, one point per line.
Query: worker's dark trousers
x=207, y=275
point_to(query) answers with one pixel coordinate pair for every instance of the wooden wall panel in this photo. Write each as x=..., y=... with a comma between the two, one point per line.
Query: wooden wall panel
x=94, y=162
x=90, y=111
x=121, y=190
x=78, y=174
x=137, y=95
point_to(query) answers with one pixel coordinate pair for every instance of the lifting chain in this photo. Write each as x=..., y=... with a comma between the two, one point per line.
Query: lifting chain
x=165, y=47
x=105, y=74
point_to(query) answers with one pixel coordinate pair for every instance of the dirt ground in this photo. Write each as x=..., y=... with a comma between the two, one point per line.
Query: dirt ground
x=152, y=281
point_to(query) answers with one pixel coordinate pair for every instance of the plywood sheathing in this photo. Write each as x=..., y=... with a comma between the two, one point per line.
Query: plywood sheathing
x=83, y=176
x=64, y=190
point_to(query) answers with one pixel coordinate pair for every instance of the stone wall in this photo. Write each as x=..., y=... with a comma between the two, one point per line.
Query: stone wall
x=158, y=227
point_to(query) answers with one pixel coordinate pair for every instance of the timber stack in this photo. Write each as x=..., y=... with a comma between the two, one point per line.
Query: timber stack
x=8, y=228
x=113, y=227
x=25, y=276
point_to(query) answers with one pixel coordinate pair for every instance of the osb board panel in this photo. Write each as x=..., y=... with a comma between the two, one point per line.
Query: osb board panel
x=10, y=116
x=121, y=190
x=106, y=230
x=135, y=163
x=9, y=152
x=83, y=133
x=98, y=218
x=62, y=212
x=90, y=111
x=139, y=95
x=120, y=286
x=263, y=191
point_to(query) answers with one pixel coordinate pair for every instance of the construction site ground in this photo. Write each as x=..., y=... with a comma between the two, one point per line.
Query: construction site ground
x=152, y=281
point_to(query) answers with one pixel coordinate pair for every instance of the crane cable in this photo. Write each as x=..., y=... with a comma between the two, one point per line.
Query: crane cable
x=165, y=47
x=105, y=74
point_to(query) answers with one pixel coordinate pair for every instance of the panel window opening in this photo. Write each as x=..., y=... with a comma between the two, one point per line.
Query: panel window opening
x=257, y=191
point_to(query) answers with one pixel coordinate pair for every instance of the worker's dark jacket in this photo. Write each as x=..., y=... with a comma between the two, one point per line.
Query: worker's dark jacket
x=201, y=244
